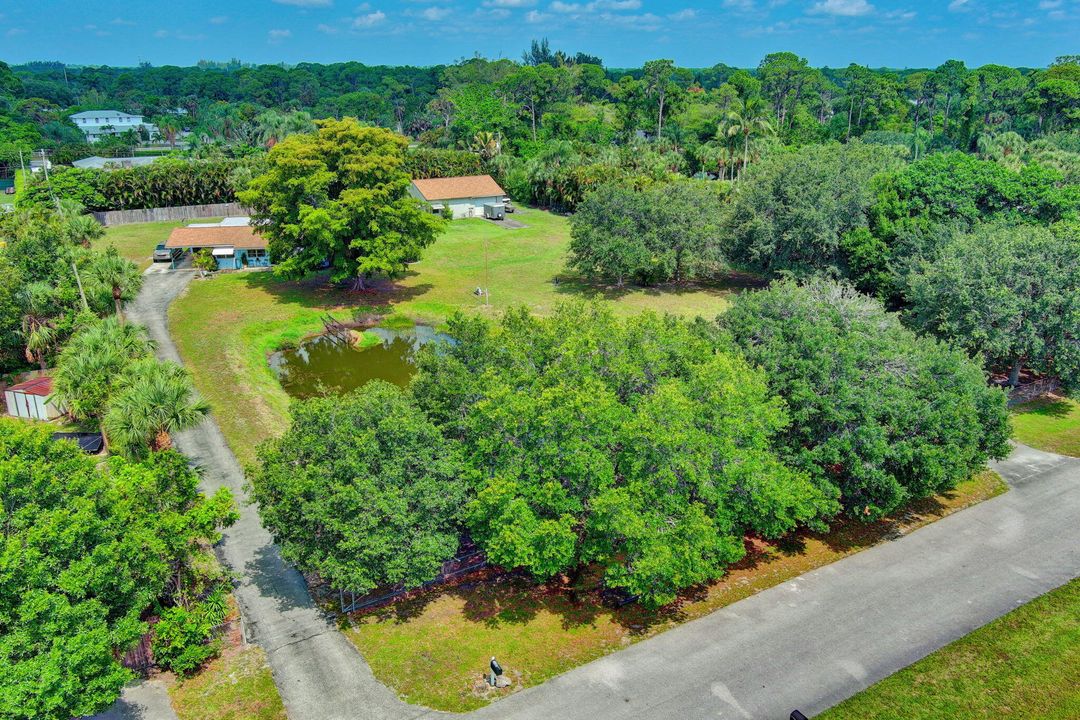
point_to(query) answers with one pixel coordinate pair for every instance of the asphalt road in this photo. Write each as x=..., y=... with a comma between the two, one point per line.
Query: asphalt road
x=808, y=643
x=820, y=638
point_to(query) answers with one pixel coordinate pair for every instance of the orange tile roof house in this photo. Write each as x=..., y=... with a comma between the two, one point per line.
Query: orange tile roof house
x=466, y=196
x=234, y=246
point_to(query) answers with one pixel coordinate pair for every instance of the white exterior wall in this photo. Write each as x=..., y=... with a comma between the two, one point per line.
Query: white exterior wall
x=471, y=207
x=33, y=407
x=462, y=207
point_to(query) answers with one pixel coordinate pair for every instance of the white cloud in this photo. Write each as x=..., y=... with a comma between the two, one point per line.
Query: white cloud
x=15, y=31
x=276, y=36
x=536, y=17
x=900, y=15
x=739, y=4
x=509, y=3
x=328, y=29
x=645, y=21
x=435, y=13
x=121, y=21
x=843, y=8
x=180, y=35
x=371, y=19
x=591, y=7
x=306, y=3
x=219, y=20
x=1049, y=4
x=959, y=5
x=684, y=14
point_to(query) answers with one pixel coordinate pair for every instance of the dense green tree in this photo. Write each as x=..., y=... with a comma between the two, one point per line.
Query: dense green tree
x=877, y=412
x=535, y=87
x=340, y=195
x=1009, y=293
x=667, y=232
x=85, y=552
x=912, y=203
x=791, y=212
x=631, y=444
x=362, y=489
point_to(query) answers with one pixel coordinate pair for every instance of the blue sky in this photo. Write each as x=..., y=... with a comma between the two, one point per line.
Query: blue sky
x=896, y=33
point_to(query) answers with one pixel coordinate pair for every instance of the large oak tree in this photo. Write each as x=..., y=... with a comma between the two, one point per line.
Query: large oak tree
x=340, y=195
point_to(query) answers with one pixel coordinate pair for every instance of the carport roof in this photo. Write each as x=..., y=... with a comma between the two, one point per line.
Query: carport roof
x=242, y=237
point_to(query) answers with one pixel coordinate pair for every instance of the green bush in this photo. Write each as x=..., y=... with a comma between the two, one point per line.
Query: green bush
x=184, y=637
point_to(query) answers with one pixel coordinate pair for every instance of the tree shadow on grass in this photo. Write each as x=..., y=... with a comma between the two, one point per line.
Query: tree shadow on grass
x=728, y=284
x=1046, y=407
x=315, y=291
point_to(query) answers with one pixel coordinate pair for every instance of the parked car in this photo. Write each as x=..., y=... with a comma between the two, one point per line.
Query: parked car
x=164, y=254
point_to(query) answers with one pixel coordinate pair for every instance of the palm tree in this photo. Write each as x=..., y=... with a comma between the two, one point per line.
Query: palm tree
x=116, y=274
x=37, y=328
x=91, y=360
x=153, y=400
x=169, y=127
x=84, y=229
x=486, y=144
x=749, y=117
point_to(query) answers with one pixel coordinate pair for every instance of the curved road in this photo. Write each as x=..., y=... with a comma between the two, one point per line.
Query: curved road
x=807, y=643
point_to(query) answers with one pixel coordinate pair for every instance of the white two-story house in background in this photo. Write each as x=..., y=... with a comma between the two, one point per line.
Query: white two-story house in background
x=96, y=124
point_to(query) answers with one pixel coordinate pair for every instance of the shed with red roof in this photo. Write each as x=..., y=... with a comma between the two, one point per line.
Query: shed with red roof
x=30, y=399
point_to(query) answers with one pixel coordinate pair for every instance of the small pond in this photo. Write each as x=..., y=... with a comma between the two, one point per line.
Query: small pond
x=324, y=366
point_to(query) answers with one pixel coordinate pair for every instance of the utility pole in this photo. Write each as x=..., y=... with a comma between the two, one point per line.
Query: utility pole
x=78, y=281
x=45, y=169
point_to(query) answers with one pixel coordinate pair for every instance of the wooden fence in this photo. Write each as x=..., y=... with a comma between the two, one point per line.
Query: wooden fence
x=180, y=212
x=1026, y=392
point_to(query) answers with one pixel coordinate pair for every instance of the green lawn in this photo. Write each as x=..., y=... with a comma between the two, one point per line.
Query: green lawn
x=434, y=649
x=226, y=326
x=1024, y=665
x=1050, y=423
x=136, y=242
x=520, y=266
x=236, y=686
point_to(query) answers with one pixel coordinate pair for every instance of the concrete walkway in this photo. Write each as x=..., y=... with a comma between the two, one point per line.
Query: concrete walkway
x=807, y=643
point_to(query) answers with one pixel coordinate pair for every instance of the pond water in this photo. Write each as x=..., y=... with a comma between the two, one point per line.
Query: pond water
x=324, y=366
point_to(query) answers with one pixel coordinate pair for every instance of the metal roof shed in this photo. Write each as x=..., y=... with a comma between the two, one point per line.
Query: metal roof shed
x=30, y=400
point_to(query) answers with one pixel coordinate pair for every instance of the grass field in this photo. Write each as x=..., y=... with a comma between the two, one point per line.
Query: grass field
x=433, y=649
x=136, y=242
x=1051, y=424
x=1024, y=665
x=224, y=327
x=236, y=686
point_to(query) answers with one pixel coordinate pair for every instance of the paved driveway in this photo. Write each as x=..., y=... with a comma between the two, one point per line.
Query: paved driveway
x=807, y=643
x=319, y=673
